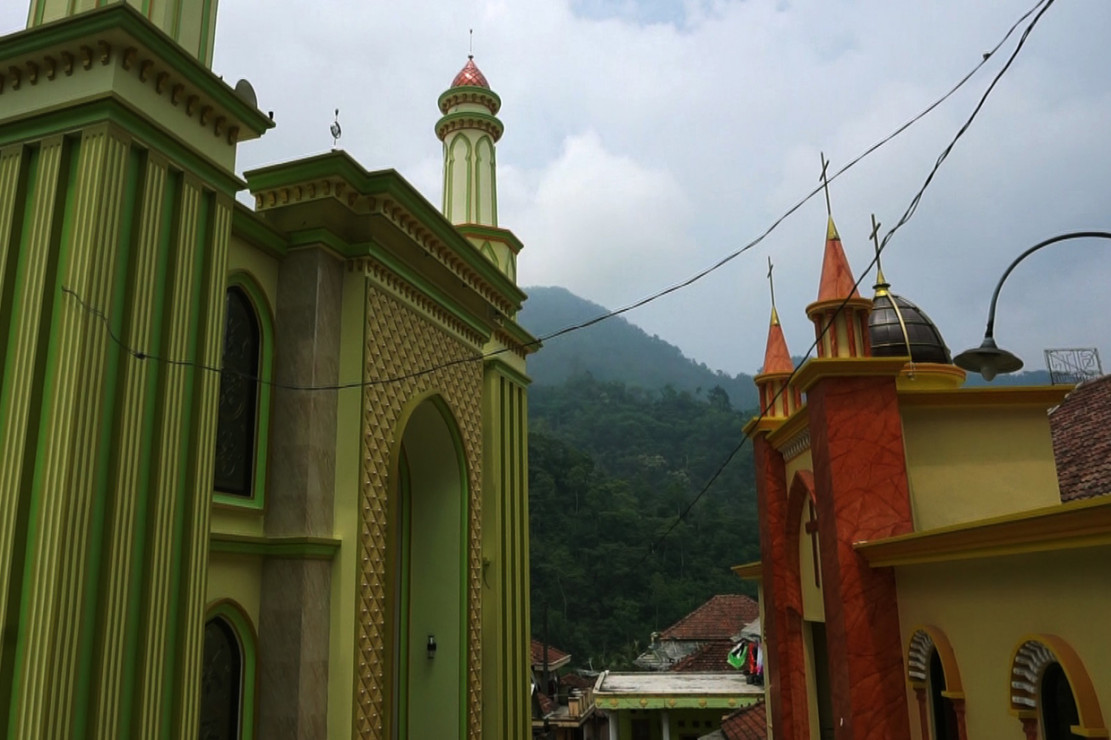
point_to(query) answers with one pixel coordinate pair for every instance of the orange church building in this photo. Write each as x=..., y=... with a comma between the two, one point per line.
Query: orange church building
x=925, y=570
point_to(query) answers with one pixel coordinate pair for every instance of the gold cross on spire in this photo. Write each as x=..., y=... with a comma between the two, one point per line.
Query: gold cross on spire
x=825, y=183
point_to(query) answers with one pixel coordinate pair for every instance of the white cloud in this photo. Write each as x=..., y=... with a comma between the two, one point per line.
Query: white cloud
x=645, y=139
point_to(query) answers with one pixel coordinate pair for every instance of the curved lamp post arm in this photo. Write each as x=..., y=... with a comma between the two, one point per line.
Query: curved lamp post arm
x=988, y=359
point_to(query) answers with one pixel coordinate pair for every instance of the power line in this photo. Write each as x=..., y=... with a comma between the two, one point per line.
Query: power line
x=142, y=355
x=907, y=215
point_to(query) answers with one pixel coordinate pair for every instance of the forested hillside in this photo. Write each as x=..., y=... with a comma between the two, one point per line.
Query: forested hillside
x=615, y=350
x=611, y=467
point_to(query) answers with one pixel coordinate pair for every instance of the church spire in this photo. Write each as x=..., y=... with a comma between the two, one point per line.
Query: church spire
x=840, y=314
x=469, y=128
x=778, y=399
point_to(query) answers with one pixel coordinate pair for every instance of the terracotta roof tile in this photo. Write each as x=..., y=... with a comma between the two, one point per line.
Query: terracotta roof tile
x=470, y=76
x=1081, y=428
x=749, y=723
x=709, y=657
x=554, y=655
x=720, y=618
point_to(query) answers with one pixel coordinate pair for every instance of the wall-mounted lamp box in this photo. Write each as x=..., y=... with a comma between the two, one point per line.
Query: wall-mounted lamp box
x=431, y=647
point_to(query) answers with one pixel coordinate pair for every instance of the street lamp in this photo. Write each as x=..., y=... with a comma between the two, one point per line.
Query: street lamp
x=988, y=359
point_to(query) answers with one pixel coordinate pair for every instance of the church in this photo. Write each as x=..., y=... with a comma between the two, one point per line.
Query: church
x=263, y=470
x=933, y=556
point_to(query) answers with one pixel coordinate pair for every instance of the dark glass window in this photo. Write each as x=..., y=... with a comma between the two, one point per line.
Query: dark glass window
x=235, y=431
x=1059, y=712
x=944, y=716
x=221, y=682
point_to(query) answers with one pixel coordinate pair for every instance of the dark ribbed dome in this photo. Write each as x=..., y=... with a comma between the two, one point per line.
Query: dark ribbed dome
x=886, y=331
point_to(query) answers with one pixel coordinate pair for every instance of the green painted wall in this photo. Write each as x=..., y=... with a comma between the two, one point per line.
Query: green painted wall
x=435, y=556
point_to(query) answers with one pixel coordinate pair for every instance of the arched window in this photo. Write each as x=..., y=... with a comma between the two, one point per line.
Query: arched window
x=933, y=674
x=941, y=708
x=221, y=682
x=1051, y=692
x=1059, y=710
x=237, y=421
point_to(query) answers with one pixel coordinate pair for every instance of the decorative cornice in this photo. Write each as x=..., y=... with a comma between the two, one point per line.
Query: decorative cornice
x=408, y=294
x=119, y=35
x=386, y=193
x=788, y=430
x=304, y=548
x=469, y=94
x=1076, y=524
x=848, y=367
x=797, y=445
x=469, y=120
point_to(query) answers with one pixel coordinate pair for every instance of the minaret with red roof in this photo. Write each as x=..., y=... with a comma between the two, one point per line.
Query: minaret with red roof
x=469, y=129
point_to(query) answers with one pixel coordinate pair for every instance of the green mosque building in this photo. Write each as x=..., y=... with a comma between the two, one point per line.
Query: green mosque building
x=263, y=471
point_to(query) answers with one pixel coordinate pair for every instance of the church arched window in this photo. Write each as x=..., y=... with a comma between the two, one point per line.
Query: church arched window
x=237, y=424
x=933, y=674
x=1058, y=704
x=221, y=682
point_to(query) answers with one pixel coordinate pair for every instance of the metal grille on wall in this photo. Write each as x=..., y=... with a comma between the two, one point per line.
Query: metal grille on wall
x=1071, y=366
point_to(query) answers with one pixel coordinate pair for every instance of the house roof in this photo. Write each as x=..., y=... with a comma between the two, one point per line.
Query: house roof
x=709, y=657
x=663, y=689
x=556, y=657
x=748, y=723
x=721, y=618
x=1081, y=428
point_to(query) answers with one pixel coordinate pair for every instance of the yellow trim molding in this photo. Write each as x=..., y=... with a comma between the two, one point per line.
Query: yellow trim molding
x=1075, y=524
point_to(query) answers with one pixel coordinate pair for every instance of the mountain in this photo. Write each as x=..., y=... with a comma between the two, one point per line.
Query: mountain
x=615, y=350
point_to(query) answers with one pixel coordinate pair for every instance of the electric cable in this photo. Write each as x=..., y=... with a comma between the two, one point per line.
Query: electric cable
x=143, y=355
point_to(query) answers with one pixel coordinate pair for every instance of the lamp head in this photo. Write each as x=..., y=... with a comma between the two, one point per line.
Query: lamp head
x=431, y=647
x=988, y=360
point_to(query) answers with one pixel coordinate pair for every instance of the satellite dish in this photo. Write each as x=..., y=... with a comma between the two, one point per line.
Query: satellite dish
x=246, y=93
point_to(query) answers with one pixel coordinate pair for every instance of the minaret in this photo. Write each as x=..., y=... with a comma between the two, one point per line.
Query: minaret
x=191, y=23
x=469, y=129
x=840, y=314
x=776, y=400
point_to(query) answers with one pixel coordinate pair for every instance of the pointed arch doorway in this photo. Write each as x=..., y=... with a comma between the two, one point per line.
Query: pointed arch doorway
x=428, y=566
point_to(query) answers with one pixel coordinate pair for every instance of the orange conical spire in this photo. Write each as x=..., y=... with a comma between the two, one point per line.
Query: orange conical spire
x=837, y=278
x=776, y=357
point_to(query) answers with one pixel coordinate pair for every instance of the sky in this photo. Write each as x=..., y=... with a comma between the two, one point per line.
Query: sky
x=647, y=139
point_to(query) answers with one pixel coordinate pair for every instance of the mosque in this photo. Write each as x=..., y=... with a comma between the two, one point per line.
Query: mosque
x=262, y=470
x=933, y=556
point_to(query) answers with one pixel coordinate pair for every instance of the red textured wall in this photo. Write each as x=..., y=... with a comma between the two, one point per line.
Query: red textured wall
x=782, y=597
x=861, y=493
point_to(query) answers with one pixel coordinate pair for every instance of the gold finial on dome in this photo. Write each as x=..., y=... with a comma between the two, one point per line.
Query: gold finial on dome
x=881, y=285
x=771, y=285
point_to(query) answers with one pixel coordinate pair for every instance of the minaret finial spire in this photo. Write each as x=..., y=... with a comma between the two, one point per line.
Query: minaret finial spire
x=881, y=281
x=825, y=183
x=470, y=43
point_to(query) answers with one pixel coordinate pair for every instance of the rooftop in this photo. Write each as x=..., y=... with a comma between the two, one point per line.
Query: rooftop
x=721, y=618
x=1081, y=428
